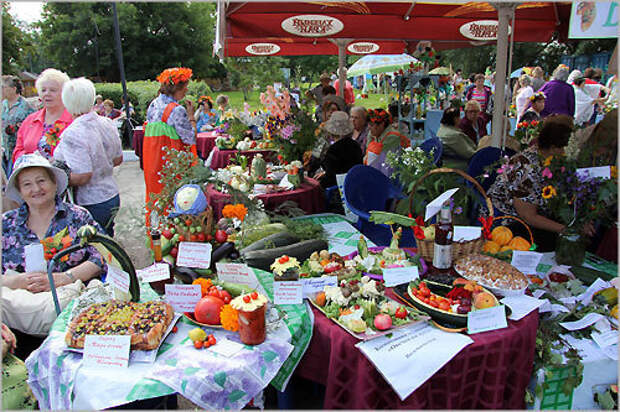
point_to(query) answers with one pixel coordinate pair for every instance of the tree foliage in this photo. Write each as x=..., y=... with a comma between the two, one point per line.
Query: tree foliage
x=16, y=42
x=79, y=38
x=249, y=72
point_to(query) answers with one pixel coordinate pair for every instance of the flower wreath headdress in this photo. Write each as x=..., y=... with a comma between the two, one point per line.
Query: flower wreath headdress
x=205, y=99
x=537, y=95
x=175, y=75
x=379, y=116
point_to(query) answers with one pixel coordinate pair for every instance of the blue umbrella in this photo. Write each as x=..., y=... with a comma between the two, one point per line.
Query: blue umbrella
x=516, y=73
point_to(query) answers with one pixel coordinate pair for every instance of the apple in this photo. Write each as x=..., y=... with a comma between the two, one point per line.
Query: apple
x=167, y=234
x=221, y=236
x=383, y=321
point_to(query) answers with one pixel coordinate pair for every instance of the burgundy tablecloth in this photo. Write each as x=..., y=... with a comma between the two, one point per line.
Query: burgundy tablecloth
x=491, y=373
x=309, y=196
x=205, y=142
x=138, y=140
x=221, y=157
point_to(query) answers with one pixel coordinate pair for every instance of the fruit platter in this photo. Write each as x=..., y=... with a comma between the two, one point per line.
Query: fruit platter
x=359, y=306
x=324, y=263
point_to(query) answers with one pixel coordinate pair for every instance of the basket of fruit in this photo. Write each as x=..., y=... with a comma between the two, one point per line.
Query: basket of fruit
x=502, y=241
x=425, y=236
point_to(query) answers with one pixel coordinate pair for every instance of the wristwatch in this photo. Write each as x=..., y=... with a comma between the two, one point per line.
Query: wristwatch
x=70, y=275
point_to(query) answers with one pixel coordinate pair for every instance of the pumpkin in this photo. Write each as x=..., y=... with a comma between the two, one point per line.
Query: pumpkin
x=501, y=235
x=519, y=243
x=490, y=247
x=505, y=248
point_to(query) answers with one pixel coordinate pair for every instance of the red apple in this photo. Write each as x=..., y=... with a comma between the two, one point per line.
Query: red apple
x=167, y=234
x=383, y=321
x=208, y=310
x=220, y=236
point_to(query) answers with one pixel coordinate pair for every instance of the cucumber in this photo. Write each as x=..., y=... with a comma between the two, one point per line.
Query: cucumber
x=275, y=240
x=234, y=288
x=588, y=275
x=262, y=259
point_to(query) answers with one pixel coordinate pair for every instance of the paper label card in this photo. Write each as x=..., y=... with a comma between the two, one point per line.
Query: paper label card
x=587, y=173
x=35, y=260
x=398, y=276
x=465, y=233
x=236, y=273
x=526, y=262
x=605, y=339
x=118, y=278
x=522, y=305
x=153, y=273
x=589, y=319
x=611, y=352
x=484, y=320
x=287, y=293
x=106, y=351
x=183, y=298
x=312, y=286
x=227, y=347
x=435, y=205
x=194, y=255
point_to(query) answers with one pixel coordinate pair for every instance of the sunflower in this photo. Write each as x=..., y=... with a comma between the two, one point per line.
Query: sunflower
x=548, y=192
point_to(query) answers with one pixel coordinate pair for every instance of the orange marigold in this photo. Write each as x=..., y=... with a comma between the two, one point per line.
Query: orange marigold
x=175, y=75
x=229, y=318
x=204, y=283
x=238, y=210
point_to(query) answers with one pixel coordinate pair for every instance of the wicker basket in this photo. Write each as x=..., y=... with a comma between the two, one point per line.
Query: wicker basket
x=529, y=231
x=204, y=219
x=459, y=249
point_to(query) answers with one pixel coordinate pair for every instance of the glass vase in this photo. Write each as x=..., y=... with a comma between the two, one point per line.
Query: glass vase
x=570, y=249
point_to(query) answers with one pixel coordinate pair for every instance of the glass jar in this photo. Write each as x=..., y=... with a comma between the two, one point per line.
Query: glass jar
x=570, y=248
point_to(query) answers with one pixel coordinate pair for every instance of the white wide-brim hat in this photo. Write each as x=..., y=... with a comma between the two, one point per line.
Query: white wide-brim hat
x=339, y=124
x=34, y=160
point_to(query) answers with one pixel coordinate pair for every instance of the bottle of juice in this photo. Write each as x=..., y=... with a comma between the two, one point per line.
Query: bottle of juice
x=442, y=252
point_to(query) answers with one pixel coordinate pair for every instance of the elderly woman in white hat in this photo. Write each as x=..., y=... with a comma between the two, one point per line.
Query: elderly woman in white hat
x=343, y=153
x=44, y=219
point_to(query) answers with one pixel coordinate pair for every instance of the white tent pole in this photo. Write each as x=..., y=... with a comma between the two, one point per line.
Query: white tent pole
x=512, y=43
x=342, y=44
x=504, y=11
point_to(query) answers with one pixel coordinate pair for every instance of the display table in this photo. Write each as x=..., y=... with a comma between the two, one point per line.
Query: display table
x=221, y=158
x=309, y=197
x=138, y=141
x=205, y=142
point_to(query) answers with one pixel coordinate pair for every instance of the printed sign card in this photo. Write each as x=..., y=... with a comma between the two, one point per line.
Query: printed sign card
x=484, y=320
x=153, y=273
x=194, y=255
x=35, y=260
x=183, y=298
x=287, y=293
x=236, y=273
x=106, y=351
x=118, y=278
x=435, y=205
x=398, y=276
x=312, y=286
x=526, y=262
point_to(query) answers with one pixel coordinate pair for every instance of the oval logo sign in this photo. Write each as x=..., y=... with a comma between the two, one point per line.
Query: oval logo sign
x=262, y=49
x=312, y=25
x=363, y=47
x=481, y=30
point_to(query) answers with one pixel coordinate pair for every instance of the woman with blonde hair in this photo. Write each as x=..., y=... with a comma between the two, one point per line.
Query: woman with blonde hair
x=523, y=96
x=42, y=129
x=473, y=124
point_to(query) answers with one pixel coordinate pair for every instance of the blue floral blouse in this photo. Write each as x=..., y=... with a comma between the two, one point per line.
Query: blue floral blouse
x=16, y=235
x=12, y=118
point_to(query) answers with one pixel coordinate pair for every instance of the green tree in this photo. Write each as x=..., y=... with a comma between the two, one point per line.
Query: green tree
x=311, y=66
x=16, y=42
x=249, y=72
x=79, y=38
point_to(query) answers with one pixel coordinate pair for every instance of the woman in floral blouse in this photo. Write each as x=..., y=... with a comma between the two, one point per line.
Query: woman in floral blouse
x=517, y=191
x=42, y=129
x=14, y=110
x=36, y=185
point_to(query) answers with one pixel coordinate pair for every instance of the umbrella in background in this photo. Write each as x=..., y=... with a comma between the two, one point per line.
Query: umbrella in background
x=380, y=63
x=441, y=71
x=519, y=72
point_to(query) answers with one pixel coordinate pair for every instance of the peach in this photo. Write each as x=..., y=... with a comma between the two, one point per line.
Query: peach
x=484, y=300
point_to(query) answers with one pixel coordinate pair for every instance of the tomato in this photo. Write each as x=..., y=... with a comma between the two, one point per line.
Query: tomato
x=246, y=298
x=201, y=237
x=181, y=238
x=283, y=259
x=208, y=310
x=425, y=292
x=434, y=304
x=254, y=295
x=193, y=238
x=211, y=340
x=221, y=236
x=426, y=300
x=444, y=306
x=224, y=295
x=209, y=237
x=198, y=344
x=401, y=313
x=206, y=344
x=188, y=222
x=175, y=329
x=213, y=292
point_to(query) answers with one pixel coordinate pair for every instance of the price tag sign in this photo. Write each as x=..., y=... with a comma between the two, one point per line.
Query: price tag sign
x=236, y=273
x=398, y=276
x=106, y=351
x=287, y=293
x=118, y=278
x=35, y=260
x=183, y=298
x=153, y=273
x=526, y=262
x=484, y=320
x=194, y=255
x=435, y=205
x=312, y=286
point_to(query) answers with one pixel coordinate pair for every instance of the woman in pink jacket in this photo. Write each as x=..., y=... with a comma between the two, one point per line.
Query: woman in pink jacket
x=42, y=129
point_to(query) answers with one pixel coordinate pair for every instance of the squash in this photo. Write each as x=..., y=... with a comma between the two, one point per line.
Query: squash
x=491, y=247
x=519, y=243
x=505, y=248
x=501, y=235
x=262, y=259
x=275, y=240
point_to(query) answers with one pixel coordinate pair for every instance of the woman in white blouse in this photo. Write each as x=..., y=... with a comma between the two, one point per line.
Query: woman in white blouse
x=524, y=94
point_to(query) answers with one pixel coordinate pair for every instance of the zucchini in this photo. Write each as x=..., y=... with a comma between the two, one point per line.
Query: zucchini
x=588, y=275
x=256, y=233
x=234, y=288
x=274, y=240
x=262, y=259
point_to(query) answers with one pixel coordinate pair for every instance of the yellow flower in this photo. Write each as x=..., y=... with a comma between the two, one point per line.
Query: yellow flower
x=614, y=172
x=229, y=318
x=548, y=160
x=548, y=192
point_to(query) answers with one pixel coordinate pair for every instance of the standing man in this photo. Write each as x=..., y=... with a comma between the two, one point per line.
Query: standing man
x=316, y=93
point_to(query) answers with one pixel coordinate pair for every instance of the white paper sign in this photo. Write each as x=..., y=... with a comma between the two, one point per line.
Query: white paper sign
x=526, y=262
x=465, y=233
x=522, y=305
x=538, y=293
x=183, y=298
x=398, y=276
x=35, y=260
x=584, y=322
x=153, y=273
x=236, y=273
x=194, y=255
x=226, y=347
x=288, y=293
x=312, y=286
x=118, y=278
x=412, y=355
x=553, y=307
x=611, y=352
x=106, y=351
x=484, y=320
x=605, y=339
x=586, y=297
x=435, y=205
x=593, y=172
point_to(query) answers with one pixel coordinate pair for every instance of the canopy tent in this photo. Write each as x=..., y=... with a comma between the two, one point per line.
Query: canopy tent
x=380, y=63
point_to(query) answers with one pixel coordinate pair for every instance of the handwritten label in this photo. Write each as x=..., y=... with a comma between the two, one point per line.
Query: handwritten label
x=35, y=260
x=484, y=320
x=465, y=233
x=287, y=293
x=183, y=298
x=611, y=352
x=435, y=205
x=153, y=273
x=118, y=278
x=312, y=286
x=194, y=255
x=106, y=351
x=526, y=262
x=398, y=276
x=227, y=347
x=605, y=339
x=522, y=305
x=589, y=319
x=587, y=173
x=236, y=273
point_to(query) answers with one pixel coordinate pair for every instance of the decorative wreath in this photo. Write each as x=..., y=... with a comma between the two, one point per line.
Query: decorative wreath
x=175, y=75
x=205, y=99
x=379, y=116
x=537, y=95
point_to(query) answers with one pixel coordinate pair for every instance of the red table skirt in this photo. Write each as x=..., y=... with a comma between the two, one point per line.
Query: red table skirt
x=309, y=197
x=205, y=142
x=221, y=158
x=491, y=373
x=138, y=140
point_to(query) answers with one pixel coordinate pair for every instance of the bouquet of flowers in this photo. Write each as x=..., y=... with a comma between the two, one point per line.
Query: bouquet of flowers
x=528, y=131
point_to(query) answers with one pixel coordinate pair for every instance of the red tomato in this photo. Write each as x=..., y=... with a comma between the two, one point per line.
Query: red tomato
x=201, y=237
x=181, y=238
x=444, y=306
x=193, y=238
x=206, y=344
x=208, y=310
x=220, y=236
x=246, y=298
x=211, y=340
x=175, y=329
x=209, y=237
x=188, y=222
x=401, y=313
x=434, y=304
x=225, y=296
x=198, y=344
x=254, y=295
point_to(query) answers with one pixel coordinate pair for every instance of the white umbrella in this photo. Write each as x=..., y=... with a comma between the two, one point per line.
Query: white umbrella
x=380, y=63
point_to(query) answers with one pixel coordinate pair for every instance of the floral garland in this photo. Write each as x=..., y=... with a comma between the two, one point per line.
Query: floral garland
x=537, y=95
x=379, y=116
x=52, y=136
x=203, y=98
x=175, y=75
